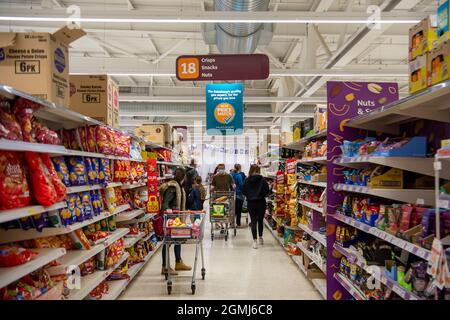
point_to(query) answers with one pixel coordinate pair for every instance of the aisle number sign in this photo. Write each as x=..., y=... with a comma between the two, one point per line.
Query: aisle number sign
x=222, y=67
x=224, y=109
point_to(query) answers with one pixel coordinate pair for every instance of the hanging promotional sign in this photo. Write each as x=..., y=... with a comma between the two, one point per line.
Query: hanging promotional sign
x=222, y=67
x=152, y=186
x=224, y=109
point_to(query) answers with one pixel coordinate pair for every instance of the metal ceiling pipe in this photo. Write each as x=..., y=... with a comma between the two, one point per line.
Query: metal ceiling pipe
x=239, y=37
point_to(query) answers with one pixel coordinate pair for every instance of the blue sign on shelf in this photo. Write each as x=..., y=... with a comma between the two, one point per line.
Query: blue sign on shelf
x=224, y=109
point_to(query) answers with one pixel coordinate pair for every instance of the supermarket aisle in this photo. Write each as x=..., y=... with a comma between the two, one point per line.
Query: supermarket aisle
x=233, y=271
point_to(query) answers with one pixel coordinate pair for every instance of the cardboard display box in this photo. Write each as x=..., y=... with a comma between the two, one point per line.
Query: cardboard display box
x=418, y=74
x=439, y=63
x=443, y=17
x=38, y=63
x=422, y=37
x=96, y=96
x=286, y=138
x=156, y=133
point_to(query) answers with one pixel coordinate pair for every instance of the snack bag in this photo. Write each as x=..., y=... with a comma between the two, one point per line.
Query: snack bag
x=90, y=170
x=96, y=168
x=73, y=140
x=104, y=175
x=26, y=223
x=88, y=211
x=96, y=202
x=100, y=260
x=61, y=170
x=67, y=214
x=110, y=198
x=77, y=171
x=90, y=137
x=79, y=239
x=38, y=221
x=103, y=140
x=44, y=134
x=43, y=189
x=81, y=136
x=57, y=183
x=11, y=256
x=79, y=212
x=65, y=137
x=111, y=224
x=23, y=110
x=14, y=191
x=10, y=127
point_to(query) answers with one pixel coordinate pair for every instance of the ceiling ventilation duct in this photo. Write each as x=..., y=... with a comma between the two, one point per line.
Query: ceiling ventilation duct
x=238, y=37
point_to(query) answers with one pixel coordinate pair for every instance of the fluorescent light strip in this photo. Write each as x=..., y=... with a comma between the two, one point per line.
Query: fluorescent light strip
x=201, y=20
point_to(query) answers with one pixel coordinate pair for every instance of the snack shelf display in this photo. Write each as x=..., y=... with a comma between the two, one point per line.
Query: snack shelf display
x=128, y=215
x=274, y=233
x=131, y=240
x=14, y=235
x=10, y=274
x=13, y=214
x=313, y=183
x=322, y=160
x=116, y=287
x=144, y=218
x=378, y=274
x=316, y=235
x=430, y=104
x=311, y=205
x=350, y=287
x=71, y=174
x=419, y=196
x=89, y=282
x=76, y=257
x=299, y=145
x=318, y=261
x=413, y=164
x=403, y=244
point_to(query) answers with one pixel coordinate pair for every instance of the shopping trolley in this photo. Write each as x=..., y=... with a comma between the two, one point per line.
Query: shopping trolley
x=221, y=210
x=184, y=227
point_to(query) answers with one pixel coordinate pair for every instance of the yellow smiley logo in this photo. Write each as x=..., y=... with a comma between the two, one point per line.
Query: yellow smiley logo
x=224, y=113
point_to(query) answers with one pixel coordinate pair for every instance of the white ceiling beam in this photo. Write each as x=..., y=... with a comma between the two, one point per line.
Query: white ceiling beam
x=130, y=5
x=343, y=33
x=201, y=99
x=322, y=5
x=322, y=41
x=119, y=49
x=162, y=55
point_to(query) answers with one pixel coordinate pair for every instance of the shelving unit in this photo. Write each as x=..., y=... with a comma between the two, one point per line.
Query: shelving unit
x=76, y=257
x=313, y=183
x=116, y=287
x=403, y=244
x=132, y=240
x=350, y=287
x=318, y=261
x=89, y=282
x=128, y=215
x=418, y=196
x=300, y=144
x=45, y=256
x=322, y=160
x=377, y=275
x=316, y=235
x=413, y=164
x=311, y=205
x=13, y=214
x=430, y=104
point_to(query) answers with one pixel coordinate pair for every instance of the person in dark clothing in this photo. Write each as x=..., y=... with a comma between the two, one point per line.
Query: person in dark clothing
x=174, y=198
x=238, y=177
x=191, y=174
x=195, y=197
x=256, y=189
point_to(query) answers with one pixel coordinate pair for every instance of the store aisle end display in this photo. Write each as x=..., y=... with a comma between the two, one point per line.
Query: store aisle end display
x=372, y=192
x=74, y=205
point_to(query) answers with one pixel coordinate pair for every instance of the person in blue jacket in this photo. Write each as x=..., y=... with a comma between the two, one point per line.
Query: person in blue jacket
x=239, y=178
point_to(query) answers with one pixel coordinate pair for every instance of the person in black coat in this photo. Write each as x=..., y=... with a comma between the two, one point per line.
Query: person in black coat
x=256, y=189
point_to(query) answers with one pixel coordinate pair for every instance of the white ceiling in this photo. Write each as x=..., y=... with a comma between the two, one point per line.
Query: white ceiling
x=153, y=47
